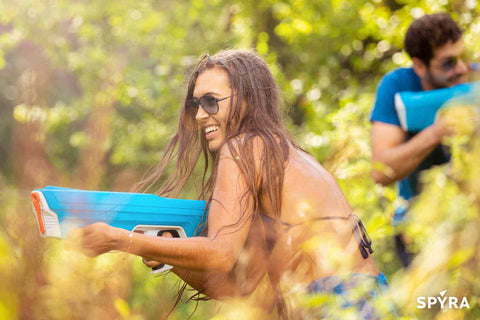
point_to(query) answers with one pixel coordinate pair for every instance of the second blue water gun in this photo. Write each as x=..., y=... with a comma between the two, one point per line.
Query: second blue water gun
x=418, y=110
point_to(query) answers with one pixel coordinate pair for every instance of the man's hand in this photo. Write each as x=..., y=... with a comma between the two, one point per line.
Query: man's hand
x=442, y=128
x=461, y=120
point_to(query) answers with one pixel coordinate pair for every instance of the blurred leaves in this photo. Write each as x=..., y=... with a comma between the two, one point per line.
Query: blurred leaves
x=90, y=93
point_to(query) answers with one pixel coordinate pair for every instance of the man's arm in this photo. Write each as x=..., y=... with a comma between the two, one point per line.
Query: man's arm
x=393, y=158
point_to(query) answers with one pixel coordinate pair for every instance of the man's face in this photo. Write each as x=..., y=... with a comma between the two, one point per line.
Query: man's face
x=448, y=66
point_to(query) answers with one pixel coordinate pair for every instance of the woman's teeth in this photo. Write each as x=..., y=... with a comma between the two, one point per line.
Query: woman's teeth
x=211, y=129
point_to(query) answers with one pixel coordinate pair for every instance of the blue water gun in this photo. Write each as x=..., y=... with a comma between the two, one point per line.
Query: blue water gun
x=418, y=110
x=59, y=210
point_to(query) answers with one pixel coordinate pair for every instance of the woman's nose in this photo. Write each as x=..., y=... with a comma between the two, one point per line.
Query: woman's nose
x=201, y=114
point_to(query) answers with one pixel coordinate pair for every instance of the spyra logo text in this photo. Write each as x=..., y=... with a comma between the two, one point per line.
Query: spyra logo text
x=443, y=301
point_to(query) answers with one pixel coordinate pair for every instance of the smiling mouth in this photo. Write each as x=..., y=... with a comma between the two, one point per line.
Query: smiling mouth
x=210, y=131
x=458, y=78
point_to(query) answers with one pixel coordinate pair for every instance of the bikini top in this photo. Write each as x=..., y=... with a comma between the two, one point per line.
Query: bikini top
x=359, y=232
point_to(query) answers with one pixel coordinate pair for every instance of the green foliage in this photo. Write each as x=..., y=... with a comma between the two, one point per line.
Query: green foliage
x=90, y=93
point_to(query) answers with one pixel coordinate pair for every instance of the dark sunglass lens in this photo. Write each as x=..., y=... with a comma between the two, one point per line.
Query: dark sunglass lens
x=449, y=63
x=209, y=104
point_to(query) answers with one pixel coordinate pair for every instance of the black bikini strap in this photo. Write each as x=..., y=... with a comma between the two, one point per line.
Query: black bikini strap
x=360, y=233
x=332, y=218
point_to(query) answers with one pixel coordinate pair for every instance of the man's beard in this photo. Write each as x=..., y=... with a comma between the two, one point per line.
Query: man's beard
x=439, y=82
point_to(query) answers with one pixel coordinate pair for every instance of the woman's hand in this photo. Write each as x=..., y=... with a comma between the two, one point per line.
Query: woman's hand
x=99, y=238
x=153, y=263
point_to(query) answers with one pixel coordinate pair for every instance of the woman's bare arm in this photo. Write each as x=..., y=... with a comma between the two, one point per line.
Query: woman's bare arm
x=244, y=277
x=228, y=224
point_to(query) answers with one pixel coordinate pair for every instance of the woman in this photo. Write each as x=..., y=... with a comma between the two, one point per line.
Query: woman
x=273, y=209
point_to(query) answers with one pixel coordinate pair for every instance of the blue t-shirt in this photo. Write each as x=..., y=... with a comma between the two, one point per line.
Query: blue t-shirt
x=398, y=80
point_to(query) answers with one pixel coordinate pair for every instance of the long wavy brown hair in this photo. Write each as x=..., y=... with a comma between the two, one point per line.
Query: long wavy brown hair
x=253, y=87
x=251, y=82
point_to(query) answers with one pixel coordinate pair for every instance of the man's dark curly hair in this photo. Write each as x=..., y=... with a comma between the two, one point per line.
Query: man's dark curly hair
x=430, y=32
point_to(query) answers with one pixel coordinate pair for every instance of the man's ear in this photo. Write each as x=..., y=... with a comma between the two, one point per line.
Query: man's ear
x=419, y=67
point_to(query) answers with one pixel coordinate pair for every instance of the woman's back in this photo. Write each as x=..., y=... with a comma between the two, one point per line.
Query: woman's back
x=319, y=241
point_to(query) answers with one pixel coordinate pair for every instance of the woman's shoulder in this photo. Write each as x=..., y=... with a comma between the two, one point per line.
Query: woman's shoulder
x=247, y=138
x=258, y=156
x=244, y=142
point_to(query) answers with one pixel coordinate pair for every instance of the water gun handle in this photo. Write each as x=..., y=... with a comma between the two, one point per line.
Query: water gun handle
x=175, y=232
x=164, y=267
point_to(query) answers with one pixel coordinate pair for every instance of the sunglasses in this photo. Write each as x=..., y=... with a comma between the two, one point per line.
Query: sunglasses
x=209, y=104
x=451, y=62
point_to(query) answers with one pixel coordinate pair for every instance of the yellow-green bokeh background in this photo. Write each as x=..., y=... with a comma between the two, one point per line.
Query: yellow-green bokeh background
x=89, y=95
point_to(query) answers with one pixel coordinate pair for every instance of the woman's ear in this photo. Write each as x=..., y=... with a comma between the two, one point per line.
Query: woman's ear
x=419, y=67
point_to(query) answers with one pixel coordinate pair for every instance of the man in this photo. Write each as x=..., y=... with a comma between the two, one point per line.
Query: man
x=434, y=42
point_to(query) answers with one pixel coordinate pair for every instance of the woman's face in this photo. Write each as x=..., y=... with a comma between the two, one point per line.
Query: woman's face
x=213, y=82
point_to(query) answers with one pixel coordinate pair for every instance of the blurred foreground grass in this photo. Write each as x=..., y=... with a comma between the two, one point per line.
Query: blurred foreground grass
x=47, y=279
x=89, y=95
